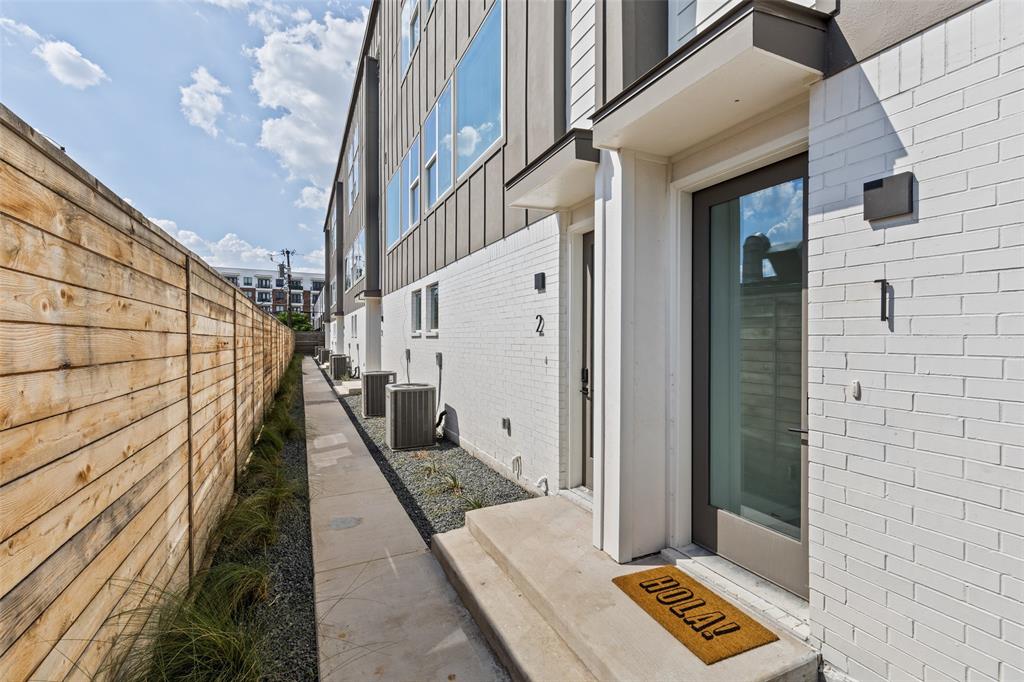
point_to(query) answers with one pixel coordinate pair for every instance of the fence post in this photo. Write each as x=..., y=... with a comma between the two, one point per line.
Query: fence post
x=188, y=388
x=234, y=384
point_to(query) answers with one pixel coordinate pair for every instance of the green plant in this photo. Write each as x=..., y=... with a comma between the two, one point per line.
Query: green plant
x=187, y=638
x=451, y=483
x=471, y=502
x=431, y=469
x=249, y=524
x=235, y=586
x=297, y=321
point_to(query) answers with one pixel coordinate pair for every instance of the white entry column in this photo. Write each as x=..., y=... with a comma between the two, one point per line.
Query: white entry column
x=633, y=252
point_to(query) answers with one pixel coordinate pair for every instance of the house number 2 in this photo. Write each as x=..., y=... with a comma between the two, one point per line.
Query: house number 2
x=540, y=325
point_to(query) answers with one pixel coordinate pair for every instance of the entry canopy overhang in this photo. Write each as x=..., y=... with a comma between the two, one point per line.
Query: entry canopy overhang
x=759, y=55
x=560, y=178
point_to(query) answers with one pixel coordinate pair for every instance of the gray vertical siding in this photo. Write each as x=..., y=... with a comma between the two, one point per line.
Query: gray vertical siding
x=473, y=213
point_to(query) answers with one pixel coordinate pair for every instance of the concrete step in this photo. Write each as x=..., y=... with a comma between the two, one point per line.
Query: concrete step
x=544, y=547
x=523, y=640
x=348, y=387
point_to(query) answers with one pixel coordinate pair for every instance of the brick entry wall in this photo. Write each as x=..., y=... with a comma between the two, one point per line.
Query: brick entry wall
x=916, y=497
x=495, y=364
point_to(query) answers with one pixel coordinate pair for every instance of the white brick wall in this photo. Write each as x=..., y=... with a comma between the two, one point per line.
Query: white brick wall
x=916, y=490
x=495, y=363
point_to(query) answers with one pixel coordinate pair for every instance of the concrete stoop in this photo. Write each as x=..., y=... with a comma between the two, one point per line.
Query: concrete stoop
x=544, y=597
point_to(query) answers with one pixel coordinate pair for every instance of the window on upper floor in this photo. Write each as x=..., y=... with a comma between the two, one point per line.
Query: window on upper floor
x=411, y=183
x=478, y=93
x=416, y=305
x=410, y=31
x=334, y=289
x=437, y=147
x=296, y=298
x=248, y=295
x=280, y=282
x=263, y=296
x=355, y=260
x=317, y=285
x=263, y=282
x=247, y=281
x=393, y=208
x=332, y=227
x=353, y=169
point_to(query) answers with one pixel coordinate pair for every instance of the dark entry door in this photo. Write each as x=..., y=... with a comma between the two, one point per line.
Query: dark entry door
x=587, y=372
x=749, y=401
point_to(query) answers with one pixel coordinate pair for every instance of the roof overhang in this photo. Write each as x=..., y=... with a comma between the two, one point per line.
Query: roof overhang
x=761, y=54
x=561, y=177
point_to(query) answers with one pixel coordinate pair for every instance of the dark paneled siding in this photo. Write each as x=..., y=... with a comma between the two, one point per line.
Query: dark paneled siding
x=472, y=213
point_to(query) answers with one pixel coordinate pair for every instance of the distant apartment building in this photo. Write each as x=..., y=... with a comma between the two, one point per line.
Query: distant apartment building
x=270, y=290
x=740, y=274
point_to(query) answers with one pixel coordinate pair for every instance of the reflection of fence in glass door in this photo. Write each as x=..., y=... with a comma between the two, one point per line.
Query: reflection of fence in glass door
x=770, y=361
x=756, y=327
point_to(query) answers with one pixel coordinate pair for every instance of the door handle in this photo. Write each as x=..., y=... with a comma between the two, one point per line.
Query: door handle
x=793, y=429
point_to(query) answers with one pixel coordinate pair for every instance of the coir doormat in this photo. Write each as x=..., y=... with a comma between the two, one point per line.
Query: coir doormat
x=709, y=626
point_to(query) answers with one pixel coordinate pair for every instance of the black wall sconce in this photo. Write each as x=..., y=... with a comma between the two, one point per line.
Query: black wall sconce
x=885, y=290
x=540, y=282
x=889, y=197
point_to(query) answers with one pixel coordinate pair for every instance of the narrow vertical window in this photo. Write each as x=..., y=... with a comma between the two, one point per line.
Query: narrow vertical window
x=410, y=31
x=394, y=201
x=437, y=148
x=432, y=307
x=478, y=93
x=411, y=170
x=417, y=311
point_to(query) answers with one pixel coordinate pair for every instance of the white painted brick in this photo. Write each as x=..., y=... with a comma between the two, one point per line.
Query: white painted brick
x=986, y=452
x=935, y=446
x=967, y=366
x=968, y=490
x=958, y=42
x=933, y=618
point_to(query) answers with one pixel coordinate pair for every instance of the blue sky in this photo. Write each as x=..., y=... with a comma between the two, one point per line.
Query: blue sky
x=219, y=119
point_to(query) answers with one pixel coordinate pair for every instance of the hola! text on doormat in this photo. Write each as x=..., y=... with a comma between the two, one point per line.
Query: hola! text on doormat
x=709, y=626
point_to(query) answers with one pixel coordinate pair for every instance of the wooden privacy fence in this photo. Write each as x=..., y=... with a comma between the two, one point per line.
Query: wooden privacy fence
x=133, y=380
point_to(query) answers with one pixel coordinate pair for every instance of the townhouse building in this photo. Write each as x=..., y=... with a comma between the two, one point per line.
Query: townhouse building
x=270, y=290
x=741, y=274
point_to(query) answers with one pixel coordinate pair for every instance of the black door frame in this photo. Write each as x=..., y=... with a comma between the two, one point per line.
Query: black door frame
x=705, y=517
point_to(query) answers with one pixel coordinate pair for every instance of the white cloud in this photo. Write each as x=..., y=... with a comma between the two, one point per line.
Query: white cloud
x=313, y=260
x=229, y=4
x=305, y=71
x=313, y=197
x=469, y=138
x=202, y=102
x=12, y=26
x=62, y=59
x=230, y=250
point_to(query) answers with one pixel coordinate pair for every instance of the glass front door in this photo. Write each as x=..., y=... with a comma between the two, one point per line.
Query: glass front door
x=749, y=237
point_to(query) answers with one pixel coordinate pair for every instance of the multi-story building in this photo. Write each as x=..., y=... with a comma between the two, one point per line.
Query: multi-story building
x=745, y=274
x=270, y=289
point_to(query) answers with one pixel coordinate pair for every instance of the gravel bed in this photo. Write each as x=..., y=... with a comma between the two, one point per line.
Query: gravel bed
x=290, y=614
x=417, y=477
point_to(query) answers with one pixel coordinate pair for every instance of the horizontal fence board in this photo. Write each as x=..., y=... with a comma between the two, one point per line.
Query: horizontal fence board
x=28, y=447
x=40, y=347
x=34, y=204
x=29, y=249
x=27, y=397
x=133, y=381
x=29, y=298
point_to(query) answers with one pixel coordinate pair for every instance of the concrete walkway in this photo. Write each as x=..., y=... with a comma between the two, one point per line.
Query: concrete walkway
x=384, y=607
